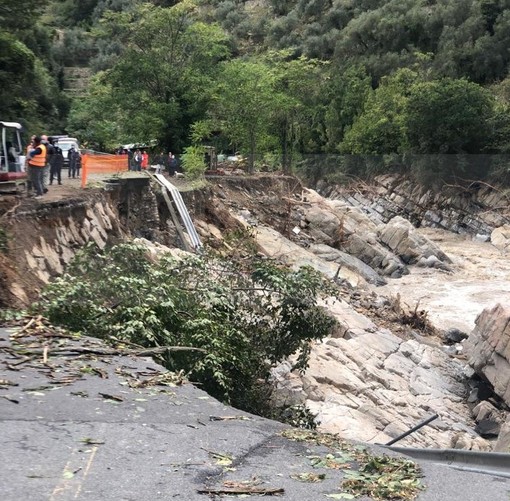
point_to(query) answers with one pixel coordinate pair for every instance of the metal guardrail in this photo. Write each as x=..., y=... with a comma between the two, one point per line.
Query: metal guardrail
x=183, y=210
x=488, y=463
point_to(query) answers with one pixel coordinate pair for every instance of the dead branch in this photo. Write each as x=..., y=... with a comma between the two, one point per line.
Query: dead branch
x=474, y=182
x=292, y=201
x=242, y=490
x=28, y=325
x=12, y=210
x=72, y=350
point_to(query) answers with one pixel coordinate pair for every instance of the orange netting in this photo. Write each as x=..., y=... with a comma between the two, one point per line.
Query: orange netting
x=93, y=163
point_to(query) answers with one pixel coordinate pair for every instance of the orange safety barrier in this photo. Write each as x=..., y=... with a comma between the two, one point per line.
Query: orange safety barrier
x=94, y=163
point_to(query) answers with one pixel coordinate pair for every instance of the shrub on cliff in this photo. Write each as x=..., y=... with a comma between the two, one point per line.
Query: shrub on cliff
x=246, y=314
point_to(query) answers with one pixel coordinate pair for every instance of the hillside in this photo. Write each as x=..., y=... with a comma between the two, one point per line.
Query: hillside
x=280, y=83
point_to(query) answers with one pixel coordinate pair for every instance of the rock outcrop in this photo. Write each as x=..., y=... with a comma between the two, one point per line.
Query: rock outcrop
x=500, y=237
x=371, y=385
x=387, y=248
x=401, y=237
x=476, y=210
x=503, y=442
x=488, y=348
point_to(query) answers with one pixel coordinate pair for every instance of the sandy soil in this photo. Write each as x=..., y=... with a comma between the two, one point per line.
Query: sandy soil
x=481, y=278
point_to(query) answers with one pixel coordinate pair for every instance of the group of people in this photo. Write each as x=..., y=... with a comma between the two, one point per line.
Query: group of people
x=44, y=164
x=139, y=160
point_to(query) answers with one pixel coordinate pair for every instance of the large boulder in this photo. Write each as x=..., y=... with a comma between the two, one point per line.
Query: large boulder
x=350, y=262
x=401, y=237
x=500, y=237
x=503, y=442
x=375, y=255
x=488, y=348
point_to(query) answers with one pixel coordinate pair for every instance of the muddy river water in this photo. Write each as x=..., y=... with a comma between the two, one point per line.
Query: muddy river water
x=480, y=278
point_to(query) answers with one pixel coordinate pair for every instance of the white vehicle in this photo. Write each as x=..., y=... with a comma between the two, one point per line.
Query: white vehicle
x=65, y=143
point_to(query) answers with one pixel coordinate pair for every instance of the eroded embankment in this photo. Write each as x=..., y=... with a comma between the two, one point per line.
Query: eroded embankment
x=368, y=381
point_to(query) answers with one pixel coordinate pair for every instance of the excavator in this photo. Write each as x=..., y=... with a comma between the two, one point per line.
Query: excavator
x=12, y=158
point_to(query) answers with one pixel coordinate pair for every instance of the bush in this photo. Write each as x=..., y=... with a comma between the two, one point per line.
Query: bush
x=246, y=315
x=193, y=161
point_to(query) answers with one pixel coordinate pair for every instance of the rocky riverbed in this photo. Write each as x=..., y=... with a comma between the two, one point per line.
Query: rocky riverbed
x=373, y=380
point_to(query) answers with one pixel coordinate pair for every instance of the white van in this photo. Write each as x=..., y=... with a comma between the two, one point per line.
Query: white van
x=65, y=144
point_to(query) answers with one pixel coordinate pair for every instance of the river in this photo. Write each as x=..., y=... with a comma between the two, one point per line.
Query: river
x=480, y=278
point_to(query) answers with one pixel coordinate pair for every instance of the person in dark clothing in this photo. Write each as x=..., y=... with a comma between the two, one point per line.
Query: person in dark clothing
x=49, y=154
x=71, y=155
x=78, y=163
x=130, y=159
x=56, y=163
x=138, y=160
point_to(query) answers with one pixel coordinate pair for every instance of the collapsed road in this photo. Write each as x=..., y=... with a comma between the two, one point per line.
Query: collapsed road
x=81, y=420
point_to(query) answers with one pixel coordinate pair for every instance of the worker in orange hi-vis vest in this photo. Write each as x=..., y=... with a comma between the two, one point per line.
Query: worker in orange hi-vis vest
x=37, y=162
x=145, y=160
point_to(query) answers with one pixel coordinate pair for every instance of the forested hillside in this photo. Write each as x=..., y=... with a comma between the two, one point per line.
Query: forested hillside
x=399, y=84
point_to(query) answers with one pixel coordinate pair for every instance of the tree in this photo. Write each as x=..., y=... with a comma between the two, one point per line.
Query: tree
x=381, y=128
x=19, y=15
x=448, y=116
x=29, y=91
x=243, y=104
x=245, y=314
x=97, y=119
x=160, y=83
x=298, y=114
x=347, y=94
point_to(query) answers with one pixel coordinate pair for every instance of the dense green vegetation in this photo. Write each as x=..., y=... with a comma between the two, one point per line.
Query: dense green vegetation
x=286, y=83
x=245, y=314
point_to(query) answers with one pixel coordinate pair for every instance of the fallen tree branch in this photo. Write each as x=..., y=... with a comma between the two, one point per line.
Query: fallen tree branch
x=71, y=350
x=31, y=322
x=242, y=490
x=12, y=210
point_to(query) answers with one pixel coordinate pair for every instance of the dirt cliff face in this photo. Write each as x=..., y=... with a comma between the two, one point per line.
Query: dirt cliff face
x=29, y=227
x=42, y=236
x=38, y=238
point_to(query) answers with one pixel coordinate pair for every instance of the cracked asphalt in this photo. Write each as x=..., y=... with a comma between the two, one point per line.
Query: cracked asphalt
x=116, y=427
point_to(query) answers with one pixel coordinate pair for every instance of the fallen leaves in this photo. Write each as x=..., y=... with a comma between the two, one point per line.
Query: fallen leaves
x=4, y=383
x=384, y=477
x=336, y=462
x=260, y=491
x=92, y=441
x=244, y=487
x=229, y=418
x=378, y=477
x=309, y=477
x=221, y=459
x=166, y=378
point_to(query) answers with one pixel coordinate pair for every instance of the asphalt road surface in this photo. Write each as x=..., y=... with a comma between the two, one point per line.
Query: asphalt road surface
x=104, y=427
